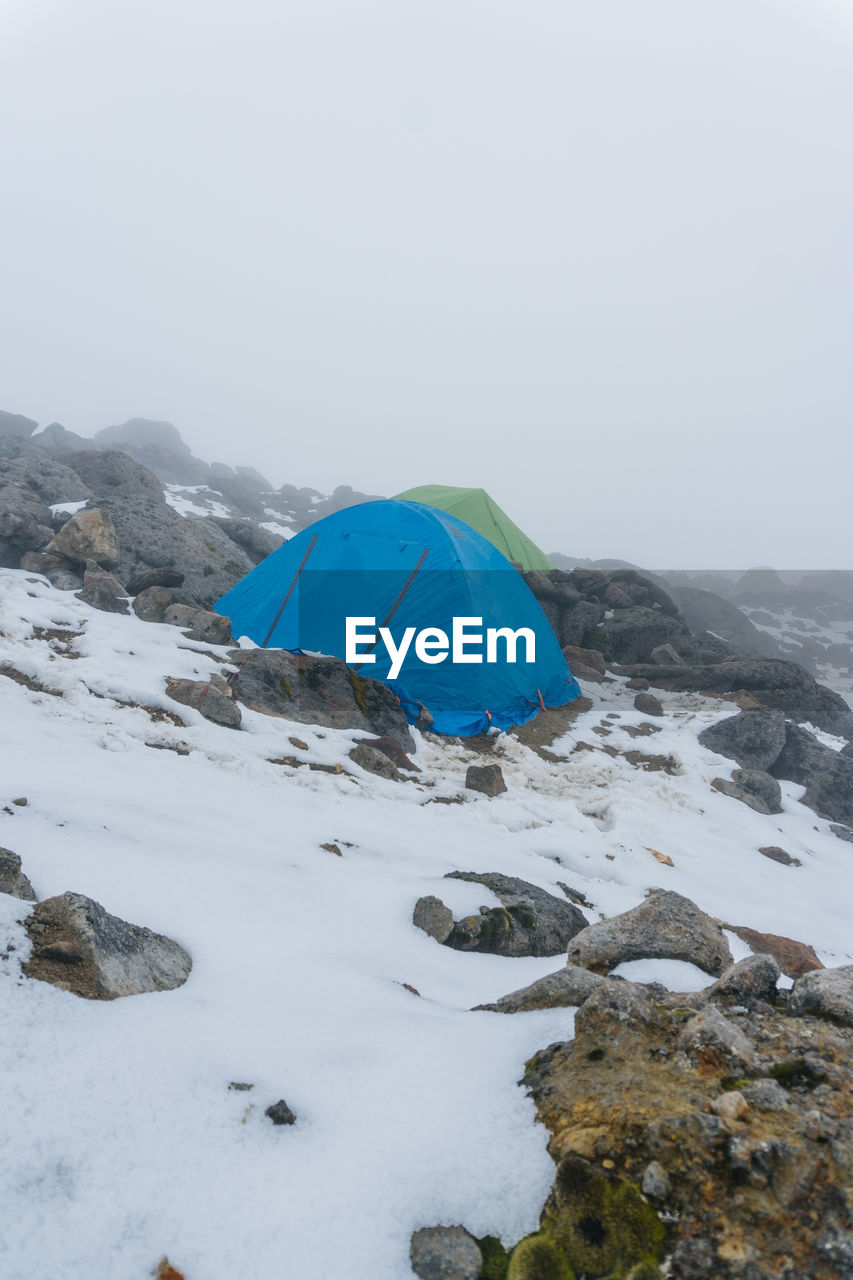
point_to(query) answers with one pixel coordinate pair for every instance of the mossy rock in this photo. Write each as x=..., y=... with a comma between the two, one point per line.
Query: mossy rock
x=495, y=1259
x=358, y=691
x=602, y=1223
x=539, y=1257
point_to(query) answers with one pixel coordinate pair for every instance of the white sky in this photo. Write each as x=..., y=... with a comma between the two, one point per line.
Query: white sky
x=593, y=256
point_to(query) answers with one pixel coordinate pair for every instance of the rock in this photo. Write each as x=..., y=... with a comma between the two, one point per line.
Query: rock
x=389, y=747
x=827, y=775
x=487, y=779
x=843, y=833
x=776, y=854
x=200, y=624
x=773, y=682
x=656, y=1184
x=257, y=543
x=58, y=439
x=20, y=533
x=112, y=473
x=162, y=577
x=158, y=447
x=585, y=664
x=566, y=988
x=648, y=705
x=826, y=993
x=80, y=947
x=321, y=691
x=12, y=879
x=15, y=424
x=573, y=623
x=60, y=573
x=374, y=762
x=433, y=917
x=165, y=1271
x=664, y=655
x=530, y=921
x=280, y=1113
x=102, y=591
x=87, y=535
x=665, y=926
x=706, y=611
x=794, y=958
x=37, y=476
x=753, y=787
x=753, y=978
x=151, y=604
x=753, y=738
x=716, y=1043
x=210, y=698
x=445, y=1253
x=631, y=635
x=766, y=1095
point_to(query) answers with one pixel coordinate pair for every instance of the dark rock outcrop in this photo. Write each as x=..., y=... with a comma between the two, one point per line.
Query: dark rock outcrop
x=80, y=947
x=12, y=879
x=753, y=738
x=530, y=921
x=488, y=779
x=211, y=698
x=827, y=775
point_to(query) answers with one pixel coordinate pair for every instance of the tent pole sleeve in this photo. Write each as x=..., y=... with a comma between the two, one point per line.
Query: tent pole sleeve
x=289, y=592
x=395, y=606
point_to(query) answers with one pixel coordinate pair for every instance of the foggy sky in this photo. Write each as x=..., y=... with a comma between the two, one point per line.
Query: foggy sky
x=595, y=257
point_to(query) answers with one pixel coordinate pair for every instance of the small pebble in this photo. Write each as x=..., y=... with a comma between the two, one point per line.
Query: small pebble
x=280, y=1113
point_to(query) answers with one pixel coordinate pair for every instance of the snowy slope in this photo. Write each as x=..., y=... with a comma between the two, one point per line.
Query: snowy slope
x=121, y=1141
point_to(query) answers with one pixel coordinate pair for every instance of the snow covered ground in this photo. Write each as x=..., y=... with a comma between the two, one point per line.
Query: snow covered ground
x=120, y=1139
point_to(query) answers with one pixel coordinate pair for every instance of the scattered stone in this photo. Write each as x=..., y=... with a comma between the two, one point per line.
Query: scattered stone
x=751, y=979
x=794, y=958
x=753, y=738
x=298, y=743
x=391, y=748
x=240, y=1086
x=211, y=698
x=566, y=988
x=665, y=926
x=753, y=787
x=716, y=1043
x=445, y=1253
x=87, y=535
x=80, y=947
x=280, y=1113
x=827, y=993
x=730, y=1107
x=638, y=682
x=648, y=705
x=776, y=854
x=317, y=691
x=656, y=1184
x=574, y=895
x=331, y=847
x=766, y=1095
x=21, y=802
x=433, y=917
x=486, y=778
x=663, y=858
x=373, y=761
x=12, y=879
x=530, y=921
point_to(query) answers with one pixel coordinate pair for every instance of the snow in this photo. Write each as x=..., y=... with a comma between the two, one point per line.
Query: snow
x=67, y=508
x=121, y=1140
x=195, y=500
x=283, y=530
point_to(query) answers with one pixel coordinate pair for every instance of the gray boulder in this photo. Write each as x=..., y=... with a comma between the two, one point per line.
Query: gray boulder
x=87, y=535
x=112, y=473
x=60, y=573
x=12, y=879
x=753, y=738
x=773, y=683
x=445, y=1253
x=373, y=761
x=647, y=704
x=488, y=779
x=200, y=624
x=431, y=915
x=706, y=611
x=21, y=531
x=753, y=787
x=321, y=691
x=827, y=993
x=827, y=775
x=25, y=464
x=665, y=926
x=151, y=604
x=257, y=543
x=212, y=699
x=15, y=424
x=58, y=439
x=529, y=922
x=568, y=987
x=102, y=591
x=751, y=979
x=162, y=577
x=80, y=947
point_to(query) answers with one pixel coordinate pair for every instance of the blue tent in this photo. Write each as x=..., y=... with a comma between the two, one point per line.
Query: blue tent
x=409, y=566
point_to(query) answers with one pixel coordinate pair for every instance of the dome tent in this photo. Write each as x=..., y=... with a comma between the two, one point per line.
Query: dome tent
x=413, y=567
x=479, y=509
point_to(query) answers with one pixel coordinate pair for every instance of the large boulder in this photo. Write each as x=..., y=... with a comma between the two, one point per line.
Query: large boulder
x=256, y=542
x=80, y=947
x=665, y=926
x=753, y=738
x=28, y=466
x=321, y=691
x=15, y=424
x=58, y=439
x=706, y=611
x=827, y=775
x=529, y=922
x=827, y=993
x=159, y=447
x=113, y=473
x=772, y=682
x=568, y=987
x=87, y=535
